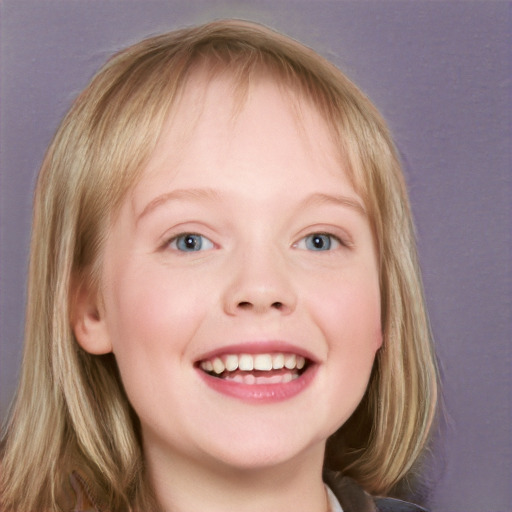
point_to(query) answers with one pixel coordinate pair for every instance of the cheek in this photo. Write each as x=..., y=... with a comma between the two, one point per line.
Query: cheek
x=351, y=310
x=152, y=317
x=152, y=312
x=350, y=316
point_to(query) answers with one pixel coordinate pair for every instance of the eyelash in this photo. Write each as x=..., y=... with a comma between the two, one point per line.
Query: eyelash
x=195, y=242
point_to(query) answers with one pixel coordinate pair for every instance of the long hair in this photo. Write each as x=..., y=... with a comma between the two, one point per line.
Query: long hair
x=71, y=411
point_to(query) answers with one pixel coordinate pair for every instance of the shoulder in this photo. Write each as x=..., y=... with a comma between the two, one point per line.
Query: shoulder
x=354, y=499
x=394, y=505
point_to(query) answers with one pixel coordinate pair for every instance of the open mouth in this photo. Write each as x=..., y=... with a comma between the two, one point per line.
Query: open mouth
x=253, y=369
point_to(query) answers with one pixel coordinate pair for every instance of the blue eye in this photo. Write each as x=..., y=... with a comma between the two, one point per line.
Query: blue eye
x=190, y=242
x=319, y=242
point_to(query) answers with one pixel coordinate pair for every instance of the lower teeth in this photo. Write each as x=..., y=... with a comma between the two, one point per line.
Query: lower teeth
x=251, y=378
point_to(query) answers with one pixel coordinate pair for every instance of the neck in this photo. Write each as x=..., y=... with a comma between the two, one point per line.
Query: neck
x=185, y=485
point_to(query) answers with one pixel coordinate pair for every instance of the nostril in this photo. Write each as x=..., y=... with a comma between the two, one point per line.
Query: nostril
x=249, y=305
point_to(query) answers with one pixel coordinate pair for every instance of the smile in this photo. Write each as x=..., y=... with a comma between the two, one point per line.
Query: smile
x=259, y=376
x=256, y=369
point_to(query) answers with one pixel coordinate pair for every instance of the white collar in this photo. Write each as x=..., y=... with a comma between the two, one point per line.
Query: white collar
x=334, y=504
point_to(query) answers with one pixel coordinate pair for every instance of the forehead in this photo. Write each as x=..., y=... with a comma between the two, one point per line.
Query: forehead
x=263, y=138
x=215, y=108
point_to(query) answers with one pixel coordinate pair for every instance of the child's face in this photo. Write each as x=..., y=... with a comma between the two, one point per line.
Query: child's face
x=244, y=236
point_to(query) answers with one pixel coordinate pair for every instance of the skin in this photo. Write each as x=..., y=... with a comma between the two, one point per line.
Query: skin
x=253, y=180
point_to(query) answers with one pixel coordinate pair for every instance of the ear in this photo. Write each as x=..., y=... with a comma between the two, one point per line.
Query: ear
x=88, y=321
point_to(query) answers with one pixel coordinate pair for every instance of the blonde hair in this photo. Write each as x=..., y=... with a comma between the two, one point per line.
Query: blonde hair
x=71, y=410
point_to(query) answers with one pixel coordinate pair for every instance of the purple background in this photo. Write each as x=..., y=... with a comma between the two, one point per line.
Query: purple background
x=439, y=72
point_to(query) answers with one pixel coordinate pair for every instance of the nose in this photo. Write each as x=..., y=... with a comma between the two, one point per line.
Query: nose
x=260, y=282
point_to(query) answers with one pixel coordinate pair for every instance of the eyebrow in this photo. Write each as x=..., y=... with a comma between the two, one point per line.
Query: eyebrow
x=209, y=194
x=195, y=194
x=335, y=199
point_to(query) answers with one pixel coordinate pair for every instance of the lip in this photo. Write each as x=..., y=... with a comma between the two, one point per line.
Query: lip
x=260, y=393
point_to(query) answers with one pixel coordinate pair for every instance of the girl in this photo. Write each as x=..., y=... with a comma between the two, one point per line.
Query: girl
x=224, y=307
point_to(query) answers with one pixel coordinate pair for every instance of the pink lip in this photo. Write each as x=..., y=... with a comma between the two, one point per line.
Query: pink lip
x=260, y=393
x=259, y=347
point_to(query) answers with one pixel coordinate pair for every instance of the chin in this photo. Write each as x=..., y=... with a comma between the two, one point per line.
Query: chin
x=266, y=452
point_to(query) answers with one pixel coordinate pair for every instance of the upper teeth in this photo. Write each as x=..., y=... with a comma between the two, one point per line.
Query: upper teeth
x=249, y=362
